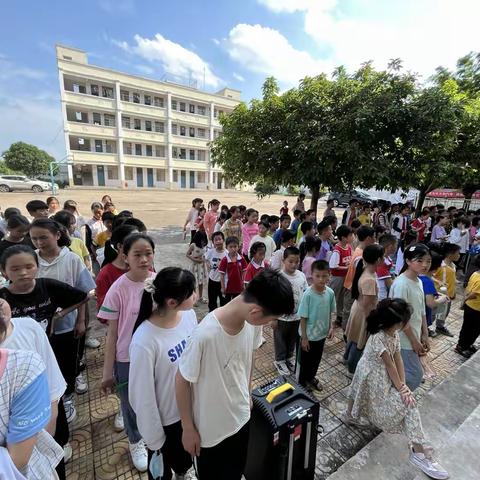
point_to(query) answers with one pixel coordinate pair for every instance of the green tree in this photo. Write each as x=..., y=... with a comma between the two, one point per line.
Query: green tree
x=27, y=159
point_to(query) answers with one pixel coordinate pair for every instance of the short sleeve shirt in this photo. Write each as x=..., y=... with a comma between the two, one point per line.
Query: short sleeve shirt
x=214, y=257
x=317, y=309
x=428, y=289
x=299, y=285
x=233, y=273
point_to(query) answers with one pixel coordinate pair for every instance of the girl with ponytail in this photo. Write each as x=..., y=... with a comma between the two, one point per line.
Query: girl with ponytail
x=379, y=392
x=365, y=295
x=211, y=218
x=165, y=320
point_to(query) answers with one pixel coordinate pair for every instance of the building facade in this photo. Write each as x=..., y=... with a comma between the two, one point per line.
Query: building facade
x=127, y=131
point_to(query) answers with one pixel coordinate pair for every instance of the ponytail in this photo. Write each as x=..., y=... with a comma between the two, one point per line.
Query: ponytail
x=358, y=273
x=53, y=227
x=370, y=256
x=389, y=312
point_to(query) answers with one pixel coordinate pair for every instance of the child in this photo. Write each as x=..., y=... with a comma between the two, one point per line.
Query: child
x=460, y=236
x=365, y=217
x=307, y=230
x=17, y=233
x=257, y=262
x=350, y=213
x=409, y=239
x=378, y=391
x=355, y=225
x=329, y=211
x=439, y=234
x=10, y=212
x=199, y=222
x=106, y=199
x=285, y=332
x=287, y=240
x=102, y=237
x=222, y=218
x=213, y=258
x=285, y=220
x=445, y=279
x=274, y=222
x=284, y=209
x=420, y=225
x=325, y=234
x=249, y=230
x=382, y=217
x=232, y=270
x=400, y=224
x=196, y=254
x=215, y=370
x=191, y=217
x=95, y=223
x=165, y=321
x=53, y=205
x=263, y=237
x=121, y=307
x=338, y=263
x=71, y=206
x=316, y=311
x=233, y=226
x=211, y=218
x=414, y=340
x=365, y=295
x=433, y=300
x=110, y=207
x=300, y=205
x=471, y=315
x=311, y=246
x=386, y=271
x=37, y=209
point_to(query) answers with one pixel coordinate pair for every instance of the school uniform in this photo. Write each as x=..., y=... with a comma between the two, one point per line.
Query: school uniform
x=214, y=257
x=233, y=271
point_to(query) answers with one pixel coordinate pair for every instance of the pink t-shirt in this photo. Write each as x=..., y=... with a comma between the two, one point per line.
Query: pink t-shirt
x=307, y=268
x=122, y=303
x=209, y=222
x=248, y=232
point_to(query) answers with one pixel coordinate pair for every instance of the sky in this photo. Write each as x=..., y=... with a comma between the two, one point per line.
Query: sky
x=215, y=43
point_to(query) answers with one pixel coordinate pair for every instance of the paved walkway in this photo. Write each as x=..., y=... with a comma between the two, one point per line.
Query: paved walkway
x=102, y=454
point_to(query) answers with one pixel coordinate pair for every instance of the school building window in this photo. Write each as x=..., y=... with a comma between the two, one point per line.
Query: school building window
x=192, y=131
x=147, y=99
x=128, y=173
x=107, y=92
x=201, y=155
x=159, y=150
x=159, y=127
x=201, y=110
x=174, y=104
x=109, y=120
x=201, y=177
x=201, y=132
x=125, y=122
x=183, y=154
x=127, y=148
x=192, y=154
x=160, y=175
x=175, y=175
x=183, y=131
x=97, y=119
x=192, y=108
x=136, y=97
x=112, y=173
x=138, y=149
x=137, y=124
x=174, y=128
x=183, y=106
x=158, y=102
x=93, y=90
x=148, y=125
x=125, y=95
x=149, y=150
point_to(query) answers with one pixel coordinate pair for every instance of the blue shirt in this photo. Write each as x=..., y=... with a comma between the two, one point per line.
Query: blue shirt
x=428, y=289
x=317, y=309
x=294, y=225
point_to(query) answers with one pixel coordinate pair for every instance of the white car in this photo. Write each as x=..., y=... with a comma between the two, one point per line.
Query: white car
x=9, y=183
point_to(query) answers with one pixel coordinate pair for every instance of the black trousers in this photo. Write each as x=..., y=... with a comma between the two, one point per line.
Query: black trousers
x=174, y=456
x=470, y=328
x=65, y=347
x=225, y=461
x=215, y=295
x=310, y=361
x=230, y=296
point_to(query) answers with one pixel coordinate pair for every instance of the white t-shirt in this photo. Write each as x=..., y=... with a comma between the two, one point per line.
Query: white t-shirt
x=269, y=243
x=299, y=285
x=277, y=258
x=213, y=257
x=219, y=365
x=154, y=356
x=28, y=335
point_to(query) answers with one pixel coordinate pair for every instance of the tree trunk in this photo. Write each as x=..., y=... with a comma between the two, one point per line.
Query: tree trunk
x=421, y=200
x=315, y=191
x=467, y=202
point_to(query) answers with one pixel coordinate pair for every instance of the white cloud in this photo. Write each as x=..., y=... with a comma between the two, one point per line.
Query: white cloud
x=266, y=51
x=423, y=33
x=173, y=57
x=238, y=77
x=216, y=41
x=9, y=70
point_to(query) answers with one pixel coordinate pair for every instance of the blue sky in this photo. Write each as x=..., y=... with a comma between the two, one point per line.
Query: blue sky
x=234, y=43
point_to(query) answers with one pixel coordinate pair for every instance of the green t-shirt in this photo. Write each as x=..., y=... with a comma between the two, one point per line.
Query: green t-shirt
x=317, y=309
x=412, y=292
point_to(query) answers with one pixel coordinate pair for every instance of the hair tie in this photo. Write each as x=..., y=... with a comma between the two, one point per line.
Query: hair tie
x=412, y=249
x=149, y=285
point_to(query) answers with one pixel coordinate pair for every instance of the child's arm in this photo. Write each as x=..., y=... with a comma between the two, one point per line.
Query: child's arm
x=88, y=263
x=424, y=335
x=110, y=349
x=190, y=436
x=80, y=326
x=66, y=311
x=433, y=302
x=303, y=330
x=397, y=358
x=331, y=330
x=189, y=252
x=398, y=378
x=222, y=282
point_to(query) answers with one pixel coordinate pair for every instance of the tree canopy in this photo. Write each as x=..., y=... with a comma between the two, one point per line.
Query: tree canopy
x=22, y=157
x=368, y=129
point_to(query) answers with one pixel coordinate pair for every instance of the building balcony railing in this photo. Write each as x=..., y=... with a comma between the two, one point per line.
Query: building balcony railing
x=89, y=101
x=144, y=161
x=80, y=156
x=143, y=110
x=89, y=130
x=184, y=141
x=143, y=136
x=190, y=118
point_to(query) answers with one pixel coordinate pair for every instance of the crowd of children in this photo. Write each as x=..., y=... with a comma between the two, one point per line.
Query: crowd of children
x=382, y=276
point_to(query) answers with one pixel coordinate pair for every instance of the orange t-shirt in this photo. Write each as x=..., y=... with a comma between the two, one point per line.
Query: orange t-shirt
x=351, y=268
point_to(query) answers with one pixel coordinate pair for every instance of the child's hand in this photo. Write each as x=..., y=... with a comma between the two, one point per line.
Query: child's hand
x=418, y=347
x=305, y=344
x=331, y=333
x=274, y=324
x=191, y=441
x=222, y=290
x=107, y=386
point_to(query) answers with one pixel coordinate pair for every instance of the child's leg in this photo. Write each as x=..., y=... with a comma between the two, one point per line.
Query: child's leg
x=316, y=348
x=129, y=418
x=347, y=306
x=64, y=346
x=412, y=424
x=279, y=341
x=336, y=284
x=213, y=294
x=174, y=456
x=353, y=357
x=470, y=328
x=291, y=337
x=200, y=291
x=309, y=361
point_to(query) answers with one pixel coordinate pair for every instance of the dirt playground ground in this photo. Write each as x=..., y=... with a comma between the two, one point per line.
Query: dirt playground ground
x=157, y=208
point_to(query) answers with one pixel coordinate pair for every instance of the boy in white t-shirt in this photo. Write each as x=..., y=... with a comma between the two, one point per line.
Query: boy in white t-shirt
x=214, y=378
x=213, y=258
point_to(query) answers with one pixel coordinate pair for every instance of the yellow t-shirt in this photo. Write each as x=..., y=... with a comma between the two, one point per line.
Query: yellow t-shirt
x=78, y=246
x=474, y=286
x=365, y=219
x=101, y=238
x=446, y=276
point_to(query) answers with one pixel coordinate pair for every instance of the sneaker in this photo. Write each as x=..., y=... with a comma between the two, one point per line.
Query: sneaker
x=444, y=331
x=428, y=466
x=118, y=425
x=81, y=385
x=138, y=452
x=340, y=359
x=281, y=367
x=432, y=333
x=464, y=353
x=315, y=385
x=290, y=362
x=349, y=374
x=92, y=342
x=473, y=348
x=70, y=411
x=67, y=452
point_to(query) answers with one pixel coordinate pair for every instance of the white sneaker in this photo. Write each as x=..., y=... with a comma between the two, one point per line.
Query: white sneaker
x=281, y=367
x=92, y=342
x=67, y=453
x=138, y=452
x=428, y=466
x=70, y=411
x=118, y=425
x=81, y=385
x=290, y=362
